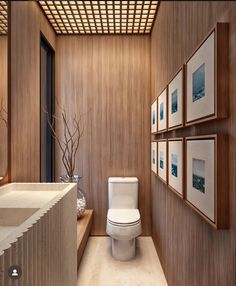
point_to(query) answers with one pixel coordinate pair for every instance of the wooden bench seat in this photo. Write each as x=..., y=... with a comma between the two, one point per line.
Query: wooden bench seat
x=84, y=225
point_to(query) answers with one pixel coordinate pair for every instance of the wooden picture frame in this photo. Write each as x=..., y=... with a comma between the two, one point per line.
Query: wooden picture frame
x=176, y=165
x=176, y=100
x=154, y=117
x=206, y=76
x=154, y=157
x=162, y=111
x=207, y=182
x=162, y=155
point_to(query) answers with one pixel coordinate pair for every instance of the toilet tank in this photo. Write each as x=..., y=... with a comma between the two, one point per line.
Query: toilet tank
x=123, y=192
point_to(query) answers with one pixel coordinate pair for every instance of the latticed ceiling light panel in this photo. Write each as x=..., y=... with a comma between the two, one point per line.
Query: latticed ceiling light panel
x=3, y=17
x=100, y=17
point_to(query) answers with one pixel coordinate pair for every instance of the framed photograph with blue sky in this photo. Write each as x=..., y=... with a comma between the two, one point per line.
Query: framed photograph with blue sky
x=162, y=111
x=154, y=157
x=206, y=180
x=207, y=78
x=176, y=165
x=154, y=117
x=176, y=101
x=162, y=160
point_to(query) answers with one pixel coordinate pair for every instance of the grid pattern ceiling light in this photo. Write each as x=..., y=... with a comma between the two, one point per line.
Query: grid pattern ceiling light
x=3, y=17
x=100, y=17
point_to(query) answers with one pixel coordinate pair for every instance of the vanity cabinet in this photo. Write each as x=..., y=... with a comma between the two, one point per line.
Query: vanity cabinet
x=38, y=234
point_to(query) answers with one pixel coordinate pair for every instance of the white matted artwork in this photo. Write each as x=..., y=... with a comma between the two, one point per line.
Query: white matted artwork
x=154, y=157
x=175, y=165
x=200, y=79
x=175, y=101
x=162, y=159
x=200, y=171
x=162, y=111
x=154, y=117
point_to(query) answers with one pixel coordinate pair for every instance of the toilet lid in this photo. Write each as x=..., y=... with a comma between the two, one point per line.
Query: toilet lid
x=123, y=216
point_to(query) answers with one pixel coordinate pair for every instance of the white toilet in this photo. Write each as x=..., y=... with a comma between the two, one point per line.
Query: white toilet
x=123, y=217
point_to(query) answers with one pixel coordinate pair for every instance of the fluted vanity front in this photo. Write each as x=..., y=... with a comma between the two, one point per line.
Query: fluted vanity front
x=38, y=233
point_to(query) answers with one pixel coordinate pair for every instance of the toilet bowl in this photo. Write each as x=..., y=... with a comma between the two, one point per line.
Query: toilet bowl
x=123, y=217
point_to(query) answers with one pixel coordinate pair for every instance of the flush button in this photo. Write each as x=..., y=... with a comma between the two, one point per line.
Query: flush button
x=14, y=272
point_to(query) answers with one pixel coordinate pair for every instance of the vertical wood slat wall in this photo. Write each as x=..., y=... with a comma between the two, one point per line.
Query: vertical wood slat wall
x=107, y=78
x=191, y=251
x=46, y=251
x=27, y=21
x=3, y=96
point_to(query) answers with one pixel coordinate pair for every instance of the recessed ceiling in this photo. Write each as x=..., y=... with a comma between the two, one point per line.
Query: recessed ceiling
x=3, y=17
x=100, y=17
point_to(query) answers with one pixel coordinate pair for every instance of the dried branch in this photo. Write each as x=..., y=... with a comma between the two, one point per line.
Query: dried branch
x=70, y=140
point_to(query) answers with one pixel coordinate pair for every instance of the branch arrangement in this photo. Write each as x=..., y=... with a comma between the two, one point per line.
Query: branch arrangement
x=70, y=140
x=3, y=113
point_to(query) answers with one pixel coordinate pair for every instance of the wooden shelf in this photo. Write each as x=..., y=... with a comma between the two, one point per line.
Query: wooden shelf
x=84, y=225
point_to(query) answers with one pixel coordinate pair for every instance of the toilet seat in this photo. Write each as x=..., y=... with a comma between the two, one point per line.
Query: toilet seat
x=123, y=224
x=123, y=231
x=123, y=217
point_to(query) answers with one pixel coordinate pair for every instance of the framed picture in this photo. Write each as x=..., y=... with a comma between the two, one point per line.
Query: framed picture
x=206, y=180
x=176, y=165
x=154, y=117
x=206, y=78
x=154, y=157
x=162, y=160
x=176, y=101
x=162, y=111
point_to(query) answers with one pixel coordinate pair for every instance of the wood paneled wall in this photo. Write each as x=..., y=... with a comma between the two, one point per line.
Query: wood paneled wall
x=108, y=79
x=191, y=251
x=3, y=96
x=27, y=21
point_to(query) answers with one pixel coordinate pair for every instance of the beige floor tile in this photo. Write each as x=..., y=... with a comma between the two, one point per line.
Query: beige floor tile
x=98, y=268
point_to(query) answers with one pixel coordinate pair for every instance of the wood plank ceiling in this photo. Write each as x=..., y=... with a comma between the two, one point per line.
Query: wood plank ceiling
x=100, y=17
x=3, y=17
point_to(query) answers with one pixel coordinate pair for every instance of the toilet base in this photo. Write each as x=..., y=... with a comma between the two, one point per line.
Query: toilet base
x=123, y=250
